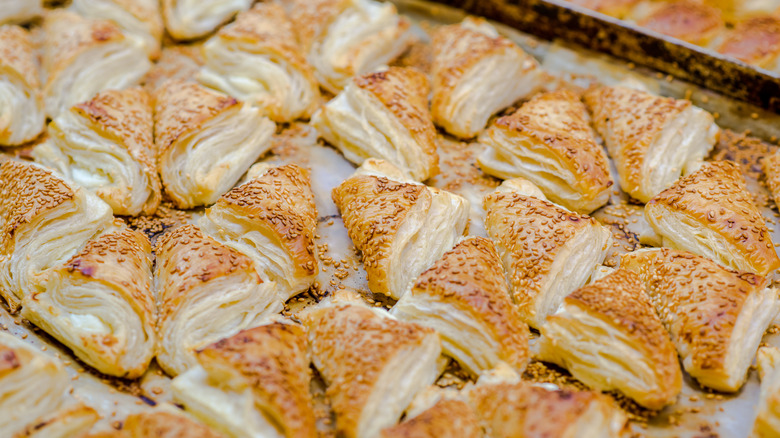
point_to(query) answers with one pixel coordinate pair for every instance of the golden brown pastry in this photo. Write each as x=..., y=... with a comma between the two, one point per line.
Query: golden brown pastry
x=345, y=38
x=139, y=19
x=716, y=316
x=106, y=145
x=465, y=298
x=101, y=305
x=72, y=420
x=609, y=337
x=207, y=291
x=272, y=219
x=445, y=419
x=735, y=10
x=257, y=59
x=84, y=56
x=15, y=11
x=652, y=139
x=549, y=141
x=165, y=421
x=372, y=364
x=615, y=8
x=190, y=19
x=755, y=40
x=22, y=115
x=205, y=141
x=767, y=424
x=44, y=222
x=687, y=20
x=383, y=115
x=547, y=251
x=255, y=383
x=771, y=165
x=176, y=62
x=711, y=213
x=477, y=73
x=400, y=228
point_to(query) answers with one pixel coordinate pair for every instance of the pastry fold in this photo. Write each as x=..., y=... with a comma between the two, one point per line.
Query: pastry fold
x=716, y=316
x=477, y=73
x=465, y=298
x=190, y=19
x=205, y=141
x=345, y=38
x=652, y=139
x=272, y=219
x=257, y=59
x=547, y=251
x=383, y=115
x=711, y=213
x=140, y=20
x=206, y=292
x=549, y=142
x=767, y=424
x=15, y=11
x=101, y=305
x=106, y=145
x=22, y=114
x=255, y=383
x=609, y=337
x=44, y=222
x=400, y=228
x=372, y=364
x=445, y=419
x=755, y=40
x=84, y=56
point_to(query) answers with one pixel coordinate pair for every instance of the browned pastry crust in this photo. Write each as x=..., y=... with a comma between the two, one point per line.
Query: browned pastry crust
x=687, y=20
x=312, y=18
x=445, y=419
x=615, y=8
x=17, y=55
x=755, y=40
x=176, y=62
x=23, y=117
x=715, y=198
x=159, y=424
x=771, y=165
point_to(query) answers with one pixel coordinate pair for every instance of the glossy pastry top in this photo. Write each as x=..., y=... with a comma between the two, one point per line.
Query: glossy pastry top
x=688, y=20
x=755, y=40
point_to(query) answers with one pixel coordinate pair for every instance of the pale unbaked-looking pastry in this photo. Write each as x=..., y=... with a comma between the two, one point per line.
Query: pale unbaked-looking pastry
x=609, y=337
x=257, y=59
x=190, y=19
x=465, y=298
x=83, y=56
x=383, y=115
x=755, y=40
x=767, y=424
x=345, y=38
x=101, y=304
x=253, y=384
x=716, y=316
x=22, y=116
x=711, y=213
x=549, y=141
x=400, y=228
x=547, y=251
x=207, y=291
x=138, y=19
x=205, y=141
x=105, y=145
x=445, y=419
x=477, y=73
x=19, y=11
x=272, y=219
x=372, y=363
x=44, y=222
x=652, y=139
x=687, y=20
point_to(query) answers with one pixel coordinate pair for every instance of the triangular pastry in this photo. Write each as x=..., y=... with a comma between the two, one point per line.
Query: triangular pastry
x=190, y=19
x=716, y=316
x=445, y=419
x=22, y=115
x=383, y=115
x=711, y=213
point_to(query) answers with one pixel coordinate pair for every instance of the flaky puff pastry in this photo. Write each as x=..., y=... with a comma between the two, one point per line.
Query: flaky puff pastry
x=547, y=251
x=346, y=38
x=105, y=145
x=372, y=363
x=550, y=142
x=652, y=139
x=15, y=11
x=755, y=40
x=255, y=383
x=207, y=291
x=34, y=400
x=400, y=228
x=205, y=141
x=22, y=115
x=609, y=337
x=615, y=8
x=716, y=316
x=465, y=298
x=767, y=424
x=445, y=419
x=687, y=20
x=711, y=213
x=190, y=19
x=272, y=219
x=101, y=305
x=477, y=73
x=164, y=421
x=83, y=56
x=44, y=222
x=383, y=115
x=139, y=19
x=257, y=59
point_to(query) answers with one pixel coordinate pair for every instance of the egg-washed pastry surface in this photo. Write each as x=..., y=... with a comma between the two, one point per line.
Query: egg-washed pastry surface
x=445, y=419
x=22, y=114
x=164, y=421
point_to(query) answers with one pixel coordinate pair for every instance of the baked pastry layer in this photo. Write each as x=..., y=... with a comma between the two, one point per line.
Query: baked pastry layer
x=22, y=114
